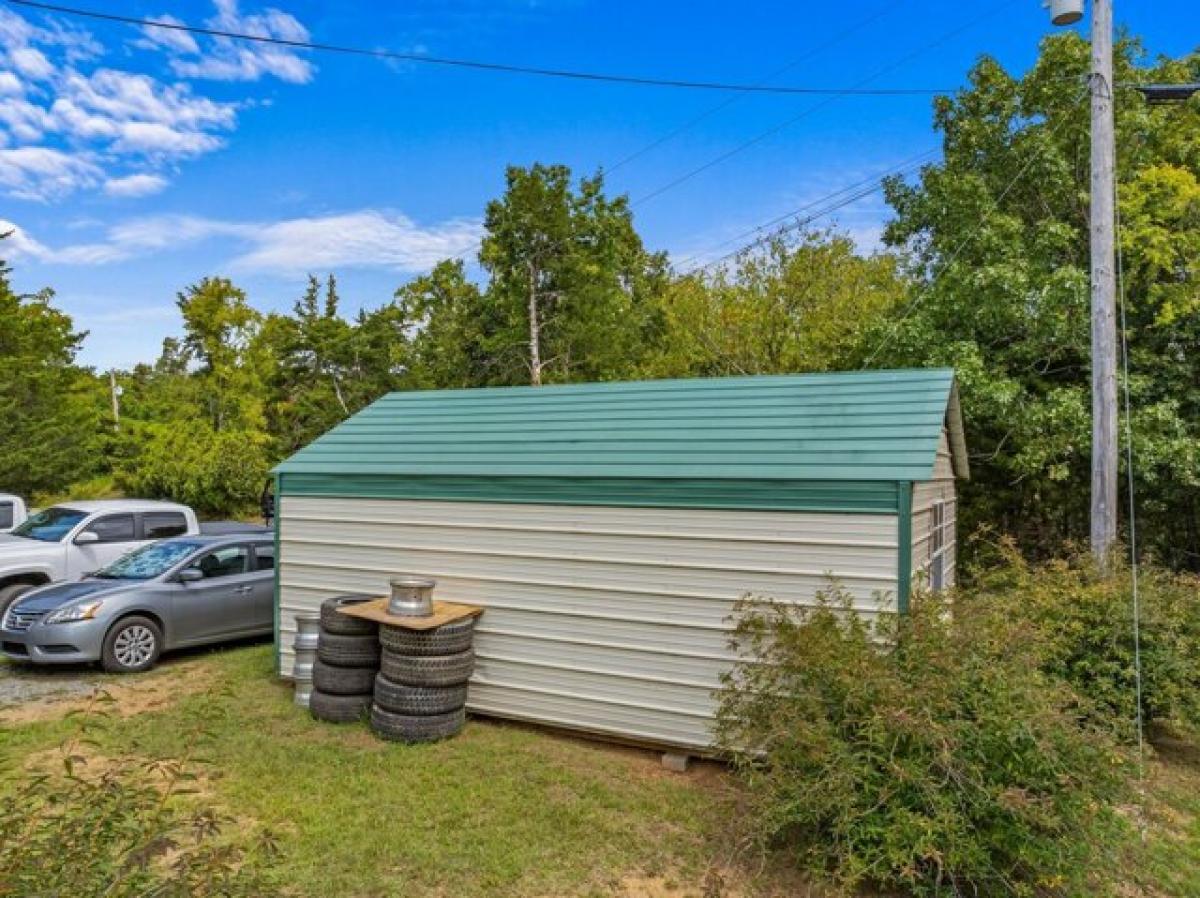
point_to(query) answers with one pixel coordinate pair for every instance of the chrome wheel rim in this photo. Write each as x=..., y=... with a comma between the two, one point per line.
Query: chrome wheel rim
x=134, y=646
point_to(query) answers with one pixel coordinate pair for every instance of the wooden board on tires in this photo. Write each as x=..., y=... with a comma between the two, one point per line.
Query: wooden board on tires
x=443, y=613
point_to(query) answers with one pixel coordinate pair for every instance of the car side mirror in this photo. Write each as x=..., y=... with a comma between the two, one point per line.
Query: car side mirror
x=190, y=575
x=88, y=536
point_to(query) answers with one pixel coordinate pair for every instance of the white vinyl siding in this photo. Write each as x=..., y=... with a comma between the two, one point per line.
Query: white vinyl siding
x=926, y=496
x=610, y=620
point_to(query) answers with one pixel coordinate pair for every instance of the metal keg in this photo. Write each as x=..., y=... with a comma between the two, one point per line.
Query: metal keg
x=305, y=646
x=411, y=597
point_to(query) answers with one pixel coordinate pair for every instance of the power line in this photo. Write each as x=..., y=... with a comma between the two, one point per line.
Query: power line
x=838, y=199
x=770, y=132
x=962, y=245
x=766, y=79
x=509, y=68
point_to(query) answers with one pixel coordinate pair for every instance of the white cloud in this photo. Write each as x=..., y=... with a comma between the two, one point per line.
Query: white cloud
x=363, y=239
x=225, y=59
x=168, y=38
x=134, y=185
x=56, y=109
x=31, y=63
x=41, y=173
x=367, y=238
x=19, y=243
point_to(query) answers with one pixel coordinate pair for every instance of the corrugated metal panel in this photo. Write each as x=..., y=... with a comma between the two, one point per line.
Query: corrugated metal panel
x=611, y=620
x=863, y=426
x=678, y=492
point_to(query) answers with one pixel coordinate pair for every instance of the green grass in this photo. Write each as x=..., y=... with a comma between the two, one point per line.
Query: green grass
x=498, y=810
x=502, y=809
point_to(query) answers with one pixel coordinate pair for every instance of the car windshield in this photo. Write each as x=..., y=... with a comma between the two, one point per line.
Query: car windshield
x=50, y=525
x=148, y=561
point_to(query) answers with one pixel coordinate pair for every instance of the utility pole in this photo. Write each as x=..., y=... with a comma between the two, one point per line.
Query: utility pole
x=1103, y=275
x=1104, y=286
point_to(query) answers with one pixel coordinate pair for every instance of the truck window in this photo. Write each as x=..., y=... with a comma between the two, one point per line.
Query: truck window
x=6, y=515
x=113, y=528
x=161, y=524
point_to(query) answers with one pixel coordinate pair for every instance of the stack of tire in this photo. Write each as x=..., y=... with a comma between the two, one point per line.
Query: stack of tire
x=343, y=676
x=421, y=689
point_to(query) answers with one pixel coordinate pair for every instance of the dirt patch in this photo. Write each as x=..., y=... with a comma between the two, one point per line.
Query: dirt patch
x=124, y=696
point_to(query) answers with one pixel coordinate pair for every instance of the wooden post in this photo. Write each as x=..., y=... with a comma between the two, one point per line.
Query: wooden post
x=1103, y=279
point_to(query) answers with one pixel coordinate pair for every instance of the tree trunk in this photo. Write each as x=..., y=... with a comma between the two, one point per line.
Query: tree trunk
x=535, y=331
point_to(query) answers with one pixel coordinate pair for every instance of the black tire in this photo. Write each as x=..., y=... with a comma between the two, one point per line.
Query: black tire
x=131, y=645
x=9, y=595
x=343, y=680
x=412, y=728
x=338, y=708
x=441, y=670
x=448, y=639
x=421, y=701
x=348, y=651
x=333, y=621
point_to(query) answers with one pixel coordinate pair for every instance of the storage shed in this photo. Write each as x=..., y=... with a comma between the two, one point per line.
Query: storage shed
x=609, y=529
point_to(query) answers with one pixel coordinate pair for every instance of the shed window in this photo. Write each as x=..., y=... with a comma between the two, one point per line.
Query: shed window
x=939, y=539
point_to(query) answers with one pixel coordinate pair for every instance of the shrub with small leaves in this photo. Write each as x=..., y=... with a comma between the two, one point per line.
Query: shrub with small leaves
x=120, y=828
x=1084, y=619
x=929, y=753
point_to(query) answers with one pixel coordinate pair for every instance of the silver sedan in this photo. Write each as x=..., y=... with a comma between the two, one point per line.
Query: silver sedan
x=170, y=594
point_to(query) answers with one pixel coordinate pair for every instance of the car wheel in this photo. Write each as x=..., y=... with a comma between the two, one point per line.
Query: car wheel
x=338, y=708
x=413, y=728
x=443, y=670
x=132, y=644
x=448, y=639
x=348, y=651
x=333, y=621
x=10, y=594
x=418, y=700
x=342, y=680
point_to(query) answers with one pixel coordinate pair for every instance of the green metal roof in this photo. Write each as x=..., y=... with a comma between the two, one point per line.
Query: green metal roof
x=847, y=427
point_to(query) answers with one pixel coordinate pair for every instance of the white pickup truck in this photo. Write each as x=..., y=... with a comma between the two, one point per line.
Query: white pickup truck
x=64, y=542
x=12, y=511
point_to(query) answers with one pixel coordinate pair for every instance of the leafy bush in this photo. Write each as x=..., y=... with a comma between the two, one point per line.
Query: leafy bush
x=1085, y=624
x=930, y=754
x=216, y=472
x=119, y=828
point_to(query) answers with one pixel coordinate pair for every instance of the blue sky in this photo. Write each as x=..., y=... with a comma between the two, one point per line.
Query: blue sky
x=132, y=164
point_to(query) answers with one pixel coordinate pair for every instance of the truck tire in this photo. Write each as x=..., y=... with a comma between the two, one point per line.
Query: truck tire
x=348, y=651
x=131, y=645
x=421, y=701
x=9, y=595
x=434, y=670
x=343, y=680
x=413, y=728
x=448, y=639
x=338, y=708
x=333, y=621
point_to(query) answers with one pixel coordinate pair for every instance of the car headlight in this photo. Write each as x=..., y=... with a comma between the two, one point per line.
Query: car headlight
x=69, y=613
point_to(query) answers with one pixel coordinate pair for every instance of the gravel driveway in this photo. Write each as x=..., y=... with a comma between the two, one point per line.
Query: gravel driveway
x=20, y=684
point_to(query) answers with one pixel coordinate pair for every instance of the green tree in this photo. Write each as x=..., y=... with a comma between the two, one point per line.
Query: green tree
x=571, y=287
x=997, y=241
x=794, y=306
x=50, y=407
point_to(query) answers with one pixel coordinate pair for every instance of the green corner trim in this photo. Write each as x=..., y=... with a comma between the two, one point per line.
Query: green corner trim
x=904, y=548
x=278, y=565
